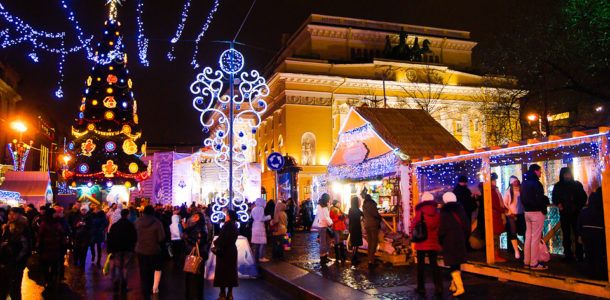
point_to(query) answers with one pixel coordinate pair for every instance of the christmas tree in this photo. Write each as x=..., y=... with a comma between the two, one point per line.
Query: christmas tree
x=106, y=145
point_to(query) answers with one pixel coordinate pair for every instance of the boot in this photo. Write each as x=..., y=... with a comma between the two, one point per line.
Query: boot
x=337, y=254
x=516, y=249
x=459, y=285
x=323, y=260
x=343, y=253
x=452, y=286
x=156, y=282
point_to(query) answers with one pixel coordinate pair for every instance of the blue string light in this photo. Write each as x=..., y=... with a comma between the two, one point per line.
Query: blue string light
x=78, y=29
x=178, y=34
x=204, y=29
x=142, y=40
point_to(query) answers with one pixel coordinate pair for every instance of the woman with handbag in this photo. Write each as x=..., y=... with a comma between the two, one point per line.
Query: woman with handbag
x=425, y=236
x=279, y=225
x=226, y=257
x=195, y=236
x=452, y=235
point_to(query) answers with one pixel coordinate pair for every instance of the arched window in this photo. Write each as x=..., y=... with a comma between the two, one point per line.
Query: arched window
x=308, y=149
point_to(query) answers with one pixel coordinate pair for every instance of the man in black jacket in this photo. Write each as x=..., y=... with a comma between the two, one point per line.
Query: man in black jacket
x=466, y=200
x=570, y=196
x=534, y=203
x=591, y=230
x=122, y=239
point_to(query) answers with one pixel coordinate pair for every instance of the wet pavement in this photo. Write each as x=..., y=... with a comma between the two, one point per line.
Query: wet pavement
x=389, y=282
x=90, y=283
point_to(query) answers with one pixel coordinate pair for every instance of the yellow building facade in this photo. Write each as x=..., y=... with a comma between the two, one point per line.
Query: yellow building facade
x=333, y=63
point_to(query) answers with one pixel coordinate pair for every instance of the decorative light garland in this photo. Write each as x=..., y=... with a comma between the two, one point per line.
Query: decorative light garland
x=370, y=168
x=178, y=34
x=19, y=154
x=9, y=196
x=142, y=40
x=204, y=29
x=357, y=134
x=78, y=29
x=208, y=88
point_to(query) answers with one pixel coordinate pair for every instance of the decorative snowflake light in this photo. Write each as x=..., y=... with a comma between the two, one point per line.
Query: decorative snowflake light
x=229, y=111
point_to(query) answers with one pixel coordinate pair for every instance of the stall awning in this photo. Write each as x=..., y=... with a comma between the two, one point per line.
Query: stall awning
x=373, y=140
x=32, y=185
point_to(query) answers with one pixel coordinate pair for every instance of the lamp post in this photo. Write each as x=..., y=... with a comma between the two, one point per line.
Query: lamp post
x=533, y=117
x=18, y=149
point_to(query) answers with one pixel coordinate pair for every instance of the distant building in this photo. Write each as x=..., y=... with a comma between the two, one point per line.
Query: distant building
x=8, y=104
x=333, y=63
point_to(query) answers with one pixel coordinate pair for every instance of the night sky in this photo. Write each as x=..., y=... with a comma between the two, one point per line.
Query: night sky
x=164, y=102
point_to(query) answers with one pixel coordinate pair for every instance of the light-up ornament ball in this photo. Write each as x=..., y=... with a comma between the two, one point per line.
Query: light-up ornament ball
x=89, y=184
x=110, y=146
x=133, y=167
x=83, y=168
x=109, y=90
x=94, y=102
x=109, y=115
x=127, y=184
x=231, y=61
x=126, y=129
x=90, y=127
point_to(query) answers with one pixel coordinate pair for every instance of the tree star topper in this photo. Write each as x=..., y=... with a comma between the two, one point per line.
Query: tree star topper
x=112, y=10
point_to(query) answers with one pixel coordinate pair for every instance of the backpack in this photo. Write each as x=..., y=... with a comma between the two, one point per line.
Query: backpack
x=420, y=231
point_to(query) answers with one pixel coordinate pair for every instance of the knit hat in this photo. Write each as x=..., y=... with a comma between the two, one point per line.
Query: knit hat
x=427, y=196
x=449, y=197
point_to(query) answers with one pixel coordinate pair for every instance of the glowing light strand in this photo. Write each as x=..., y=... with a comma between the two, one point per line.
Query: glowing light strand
x=78, y=29
x=142, y=40
x=178, y=34
x=208, y=88
x=204, y=29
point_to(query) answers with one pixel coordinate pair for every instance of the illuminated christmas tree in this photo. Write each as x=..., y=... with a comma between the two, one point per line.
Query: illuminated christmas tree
x=106, y=145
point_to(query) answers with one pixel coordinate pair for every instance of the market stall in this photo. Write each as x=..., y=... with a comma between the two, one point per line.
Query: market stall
x=373, y=154
x=585, y=153
x=33, y=186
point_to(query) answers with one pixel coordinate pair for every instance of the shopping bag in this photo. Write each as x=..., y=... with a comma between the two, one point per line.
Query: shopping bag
x=106, y=268
x=543, y=252
x=192, y=263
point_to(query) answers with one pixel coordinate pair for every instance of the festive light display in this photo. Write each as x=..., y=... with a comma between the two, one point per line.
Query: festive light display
x=361, y=133
x=10, y=198
x=100, y=129
x=19, y=152
x=204, y=29
x=79, y=31
x=142, y=40
x=229, y=115
x=368, y=169
x=178, y=34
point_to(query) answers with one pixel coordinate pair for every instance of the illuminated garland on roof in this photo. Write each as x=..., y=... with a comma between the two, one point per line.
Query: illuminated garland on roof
x=375, y=167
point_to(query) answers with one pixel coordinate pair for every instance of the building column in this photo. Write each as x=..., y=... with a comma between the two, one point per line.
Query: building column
x=466, y=131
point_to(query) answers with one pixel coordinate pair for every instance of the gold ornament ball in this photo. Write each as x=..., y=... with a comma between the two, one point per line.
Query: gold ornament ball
x=133, y=167
x=109, y=115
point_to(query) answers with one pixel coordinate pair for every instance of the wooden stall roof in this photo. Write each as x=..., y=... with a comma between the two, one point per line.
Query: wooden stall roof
x=413, y=131
x=574, y=138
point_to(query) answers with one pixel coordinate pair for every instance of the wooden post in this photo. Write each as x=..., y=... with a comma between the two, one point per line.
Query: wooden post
x=414, y=200
x=489, y=230
x=605, y=184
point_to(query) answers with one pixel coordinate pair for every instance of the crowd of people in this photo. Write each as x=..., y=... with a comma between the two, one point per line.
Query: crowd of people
x=47, y=239
x=520, y=211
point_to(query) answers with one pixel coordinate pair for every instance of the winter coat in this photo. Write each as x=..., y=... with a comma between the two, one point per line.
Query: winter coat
x=51, y=240
x=14, y=244
x=338, y=219
x=432, y=218
x=570, y=194
x=259, y=234
x=355, y=227
x=591, y=223
x=122, y=237
x=270, y=208
x=513, y=201
x=280, y=219
x=532, y=194
x=372, y=218
x=80, y=232
x=464, y=198
x=226, y=260
x=197, y=234
x=97, y=223
x=150, y=235
x=497, y=210
x=322, y=219
x=175, y=228
x=307, y=212
x=452, y=234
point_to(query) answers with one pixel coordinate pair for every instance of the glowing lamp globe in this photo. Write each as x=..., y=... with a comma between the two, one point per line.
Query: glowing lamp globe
x=231, y=61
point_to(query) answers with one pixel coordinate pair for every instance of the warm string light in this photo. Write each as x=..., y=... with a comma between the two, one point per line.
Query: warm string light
x=204, y=29
x=358, y=134
x=142, y=40
x=178, y=34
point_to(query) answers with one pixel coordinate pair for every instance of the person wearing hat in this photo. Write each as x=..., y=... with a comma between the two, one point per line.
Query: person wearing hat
x=465, y=198
x=452, y=237
x=226, y=257
x=427, y=209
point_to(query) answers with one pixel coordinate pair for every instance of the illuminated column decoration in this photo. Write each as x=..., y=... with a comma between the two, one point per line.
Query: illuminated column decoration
x=224, y=110
x=19, y=152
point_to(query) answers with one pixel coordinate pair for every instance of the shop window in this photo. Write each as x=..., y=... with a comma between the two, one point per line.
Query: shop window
x=308, y=149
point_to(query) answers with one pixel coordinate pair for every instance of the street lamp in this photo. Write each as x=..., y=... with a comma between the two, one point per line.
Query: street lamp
x=533, y=117
x=19, y=127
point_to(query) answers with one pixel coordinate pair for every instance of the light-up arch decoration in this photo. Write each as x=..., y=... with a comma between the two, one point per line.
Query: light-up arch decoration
x=225, y=109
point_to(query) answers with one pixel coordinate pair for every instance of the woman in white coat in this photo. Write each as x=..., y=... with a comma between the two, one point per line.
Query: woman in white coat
x=259, y=235
x=323, y=222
